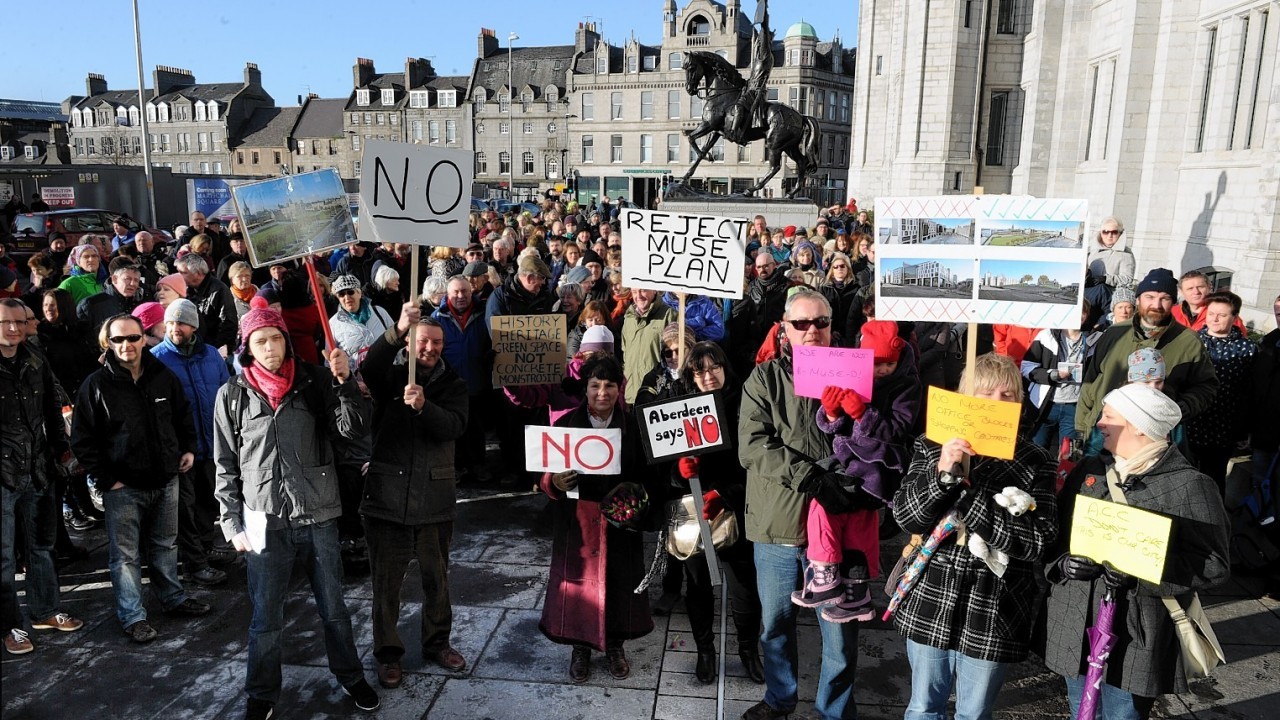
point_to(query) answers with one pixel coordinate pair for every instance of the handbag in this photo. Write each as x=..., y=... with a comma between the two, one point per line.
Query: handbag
x=904, y=559
x=684, y=537
x=1201, y=652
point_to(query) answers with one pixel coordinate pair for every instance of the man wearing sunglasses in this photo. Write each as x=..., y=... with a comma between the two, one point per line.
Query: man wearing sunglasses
x=780, y=445
x=133, y=432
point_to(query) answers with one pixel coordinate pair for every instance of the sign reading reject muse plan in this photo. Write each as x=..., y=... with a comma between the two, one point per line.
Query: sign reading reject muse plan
x=674, y=252
x=416, y=194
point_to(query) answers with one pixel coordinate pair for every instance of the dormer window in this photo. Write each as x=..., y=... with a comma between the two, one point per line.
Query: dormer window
x=477, y=99
x=151, y=112
x=135, y=117
x=200, y=111
x=362, y=97
x=162, y=111
x=633, y=64
x=602, y=64
x=122, y=115
x=211, y=110
x=447, y=98
x=418, y=99
x=389, y=97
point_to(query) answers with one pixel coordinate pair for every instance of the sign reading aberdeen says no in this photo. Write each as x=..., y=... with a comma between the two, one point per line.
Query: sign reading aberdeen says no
x=675, y=252
x=416, y=194
x=683, y=427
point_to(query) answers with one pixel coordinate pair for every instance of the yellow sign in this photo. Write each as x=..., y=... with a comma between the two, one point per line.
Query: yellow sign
x=1133, y=540
x=990, y=426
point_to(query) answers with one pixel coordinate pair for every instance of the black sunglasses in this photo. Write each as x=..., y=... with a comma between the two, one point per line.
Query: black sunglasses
x=668, y=353
x=821, y=323
x=121, y=339
x=348, y=291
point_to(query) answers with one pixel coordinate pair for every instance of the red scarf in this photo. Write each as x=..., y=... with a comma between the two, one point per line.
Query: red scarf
x=274, y=385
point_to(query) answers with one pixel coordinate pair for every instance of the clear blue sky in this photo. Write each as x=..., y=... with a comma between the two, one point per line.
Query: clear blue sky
x=303, y=47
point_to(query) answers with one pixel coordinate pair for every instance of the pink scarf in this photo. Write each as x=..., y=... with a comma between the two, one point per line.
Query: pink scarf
x=274, y=386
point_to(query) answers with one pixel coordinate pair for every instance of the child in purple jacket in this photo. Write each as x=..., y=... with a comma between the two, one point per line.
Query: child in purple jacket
x=870, y=453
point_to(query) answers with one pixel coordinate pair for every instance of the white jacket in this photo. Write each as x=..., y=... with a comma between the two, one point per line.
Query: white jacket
x=354, y=338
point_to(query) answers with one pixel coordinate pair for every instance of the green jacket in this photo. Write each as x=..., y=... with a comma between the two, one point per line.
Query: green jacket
x=1190, y=379
x=642, y=343
x=779, y=444
x=82, y=286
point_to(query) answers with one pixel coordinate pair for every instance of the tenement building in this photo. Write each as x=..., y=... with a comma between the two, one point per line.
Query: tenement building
x=1161, y=114
x=192, y=125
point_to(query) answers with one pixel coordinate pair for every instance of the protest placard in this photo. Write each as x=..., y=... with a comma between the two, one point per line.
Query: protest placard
x=981, y=259
x=818, y=367
x=687, y=426
x=590, y=451
x=1133, y=540
x=529, y=349
x=416, y=194
x=990, y=426
x=675, y=252
x=293, y=216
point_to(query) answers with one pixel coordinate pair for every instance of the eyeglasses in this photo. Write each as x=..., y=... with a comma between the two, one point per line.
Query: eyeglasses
x=839, y=266
x=710, y=370
x=821, y=323
x=668, y=353
x=123, y=339
x=1110, y=232
x=348, y=291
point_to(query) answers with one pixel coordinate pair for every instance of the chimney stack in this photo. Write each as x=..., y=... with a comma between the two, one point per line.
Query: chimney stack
x=167, y=79
x=586, y=38
x=252, y=76
x=487, y=43
x=363, y=72
x=417, y=71
x=95, y=84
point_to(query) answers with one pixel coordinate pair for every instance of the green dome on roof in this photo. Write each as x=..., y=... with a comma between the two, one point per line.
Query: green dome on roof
x=802, y=29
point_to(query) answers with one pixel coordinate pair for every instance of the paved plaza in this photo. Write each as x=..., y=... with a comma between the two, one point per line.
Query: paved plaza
x=502, y=545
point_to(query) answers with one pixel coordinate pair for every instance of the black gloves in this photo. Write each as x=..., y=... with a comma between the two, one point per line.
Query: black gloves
x=573, y=387
x=1118, y=581
x=831, y=495
x=1075, y=567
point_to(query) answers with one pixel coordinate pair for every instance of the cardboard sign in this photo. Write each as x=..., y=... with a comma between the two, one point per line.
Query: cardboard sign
x=530, y=349
x=56, y=197
x=687, y=426
x=416, y=194
x=590, y=451
x=818, y=367
x=293, y=216
x=699, y=254
x=990, y=426
x=1133, y=540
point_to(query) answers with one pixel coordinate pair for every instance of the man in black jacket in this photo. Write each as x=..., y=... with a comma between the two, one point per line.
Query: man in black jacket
x=31, y=436
x=133, y=432
x=219, y=321
x=409, y=491
x=120, y=296
x=757, y=312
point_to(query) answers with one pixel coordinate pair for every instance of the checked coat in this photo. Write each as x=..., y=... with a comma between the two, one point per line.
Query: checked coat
x=958, y=603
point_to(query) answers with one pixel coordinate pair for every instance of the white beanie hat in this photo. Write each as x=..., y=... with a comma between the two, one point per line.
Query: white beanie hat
x=597, y=337
x=1145, y=408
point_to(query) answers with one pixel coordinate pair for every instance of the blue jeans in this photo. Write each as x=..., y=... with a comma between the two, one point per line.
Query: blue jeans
x=1059, y=423
x=35, y=513
x=317, y=547
x=779, y=571
x=1113, y=703
x=935, y=672
x=134, y=518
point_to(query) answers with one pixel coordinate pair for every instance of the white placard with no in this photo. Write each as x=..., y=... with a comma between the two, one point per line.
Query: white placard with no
x=677, y=252
x=590, y=451
x=416, y=194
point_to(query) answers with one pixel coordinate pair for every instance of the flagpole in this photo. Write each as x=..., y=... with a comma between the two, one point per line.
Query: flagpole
x=142, y=107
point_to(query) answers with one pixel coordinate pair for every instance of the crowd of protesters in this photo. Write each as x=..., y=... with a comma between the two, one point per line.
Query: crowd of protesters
x=209, y=419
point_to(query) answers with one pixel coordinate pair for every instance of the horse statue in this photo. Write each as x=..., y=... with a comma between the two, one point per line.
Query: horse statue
x=784, y=131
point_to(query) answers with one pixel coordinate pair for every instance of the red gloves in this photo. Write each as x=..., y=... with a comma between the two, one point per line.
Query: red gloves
x=712, y=505
x=852, y=404
x=688, y=467
x=836, y=400
x=831, y=396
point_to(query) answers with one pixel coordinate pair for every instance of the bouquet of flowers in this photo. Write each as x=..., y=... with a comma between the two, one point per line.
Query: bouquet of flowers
x=625, y=505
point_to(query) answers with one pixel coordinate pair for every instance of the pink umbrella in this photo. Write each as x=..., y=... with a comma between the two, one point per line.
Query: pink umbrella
x=1101, y=641
x=946, y=526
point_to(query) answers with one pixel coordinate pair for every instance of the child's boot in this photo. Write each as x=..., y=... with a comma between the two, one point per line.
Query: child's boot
x=822, y=586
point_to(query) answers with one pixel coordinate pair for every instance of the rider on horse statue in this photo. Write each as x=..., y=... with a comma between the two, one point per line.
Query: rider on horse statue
x=750, y=110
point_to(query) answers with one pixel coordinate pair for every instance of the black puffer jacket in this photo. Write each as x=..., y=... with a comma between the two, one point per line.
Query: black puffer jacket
x=132, y=432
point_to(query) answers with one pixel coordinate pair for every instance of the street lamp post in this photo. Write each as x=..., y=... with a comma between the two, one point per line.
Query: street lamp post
x=511, y=128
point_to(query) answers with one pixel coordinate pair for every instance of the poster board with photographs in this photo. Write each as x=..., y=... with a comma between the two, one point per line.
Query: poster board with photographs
x=983, y=259
x=294, y=216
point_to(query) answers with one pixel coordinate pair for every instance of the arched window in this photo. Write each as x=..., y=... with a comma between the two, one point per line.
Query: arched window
x=699, y=25
x=504, y=163
x=526, y=163
x=553, y=168
x=552, y=93
x=482, y=164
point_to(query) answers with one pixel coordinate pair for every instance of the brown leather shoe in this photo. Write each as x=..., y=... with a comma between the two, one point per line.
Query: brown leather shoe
x=450, y=659
x=390, y=675
x=619, y=666
x=580, y=664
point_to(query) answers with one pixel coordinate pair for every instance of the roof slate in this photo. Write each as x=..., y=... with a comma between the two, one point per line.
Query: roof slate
x=321, y=117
